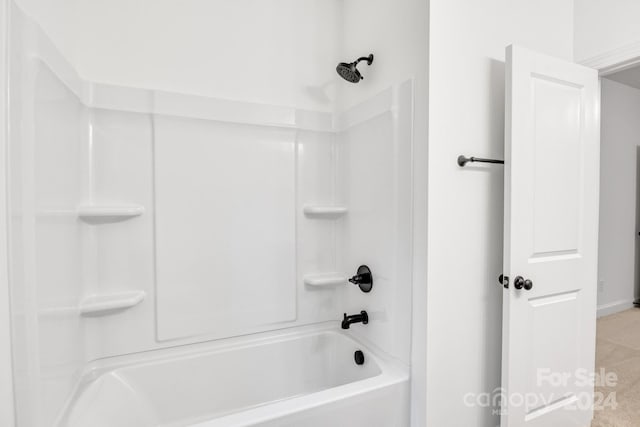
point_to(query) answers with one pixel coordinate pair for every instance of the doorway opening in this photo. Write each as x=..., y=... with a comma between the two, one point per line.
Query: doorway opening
x=618, y=328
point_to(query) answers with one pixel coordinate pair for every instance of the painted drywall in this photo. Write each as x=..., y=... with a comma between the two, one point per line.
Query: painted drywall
x=395, y=32
x=620, y=137
x=466, y=116
x=271, y=52
x=602, y=26
x=58, y=20
x=628, y=77
x=6, y=377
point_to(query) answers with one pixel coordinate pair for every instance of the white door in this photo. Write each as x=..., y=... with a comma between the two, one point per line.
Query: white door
x=550, y=247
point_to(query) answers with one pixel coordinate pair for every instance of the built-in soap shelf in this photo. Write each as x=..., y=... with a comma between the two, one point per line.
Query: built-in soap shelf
x=314, y=211
x=96, y=305
x=109, y=212
x=325, y=280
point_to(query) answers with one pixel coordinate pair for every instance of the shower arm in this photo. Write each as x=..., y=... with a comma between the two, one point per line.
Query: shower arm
x=369, y=60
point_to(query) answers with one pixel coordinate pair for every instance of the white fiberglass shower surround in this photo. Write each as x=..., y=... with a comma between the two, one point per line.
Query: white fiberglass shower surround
x=183, y=222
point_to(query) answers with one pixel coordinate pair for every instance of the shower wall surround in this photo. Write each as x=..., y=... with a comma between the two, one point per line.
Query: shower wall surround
x=144, y=219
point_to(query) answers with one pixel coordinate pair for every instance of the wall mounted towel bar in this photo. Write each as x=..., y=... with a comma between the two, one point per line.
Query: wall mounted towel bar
x=462, y=160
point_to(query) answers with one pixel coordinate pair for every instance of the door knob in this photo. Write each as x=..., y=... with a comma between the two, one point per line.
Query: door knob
x=518, y=283
x=504, y=280
x=521, y=283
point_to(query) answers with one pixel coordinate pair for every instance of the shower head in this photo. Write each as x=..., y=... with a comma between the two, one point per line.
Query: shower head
x=349, y=71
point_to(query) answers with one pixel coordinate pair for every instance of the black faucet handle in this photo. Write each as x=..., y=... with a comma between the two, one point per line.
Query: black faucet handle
x=356, y=279
x=363, y=278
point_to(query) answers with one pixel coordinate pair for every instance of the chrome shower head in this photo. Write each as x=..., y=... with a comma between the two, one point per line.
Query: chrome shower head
x=349, y=71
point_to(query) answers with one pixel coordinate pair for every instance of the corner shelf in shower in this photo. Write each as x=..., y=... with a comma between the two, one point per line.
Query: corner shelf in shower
x=109, y=212
x=325, y=280
x=324, y=211
x=96, y=305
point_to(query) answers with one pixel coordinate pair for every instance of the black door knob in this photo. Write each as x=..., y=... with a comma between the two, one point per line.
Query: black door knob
x=521, y=283
x=504, y=280
x=518, y=283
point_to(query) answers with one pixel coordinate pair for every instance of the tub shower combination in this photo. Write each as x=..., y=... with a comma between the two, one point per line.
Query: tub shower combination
x=187, y=260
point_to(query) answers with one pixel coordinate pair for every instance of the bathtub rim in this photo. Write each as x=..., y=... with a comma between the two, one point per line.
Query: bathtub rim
x=295, y=405
x=392, y=371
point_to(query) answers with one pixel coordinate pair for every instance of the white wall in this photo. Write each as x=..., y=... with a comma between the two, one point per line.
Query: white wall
x=395, y=32
x=6, y=377
x=280, y=52
x=58, y=19
x=274, y=52
x=602, y=26
x=466, y=116
x=620, y=137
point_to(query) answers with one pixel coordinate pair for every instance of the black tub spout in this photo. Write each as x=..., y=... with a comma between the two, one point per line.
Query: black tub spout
x=363, y=318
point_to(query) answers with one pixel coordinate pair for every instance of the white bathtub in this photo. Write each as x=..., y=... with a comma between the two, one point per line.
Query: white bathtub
x=305, y=377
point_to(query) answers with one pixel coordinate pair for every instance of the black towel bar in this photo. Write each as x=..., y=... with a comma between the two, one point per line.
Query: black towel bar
x=462, y=160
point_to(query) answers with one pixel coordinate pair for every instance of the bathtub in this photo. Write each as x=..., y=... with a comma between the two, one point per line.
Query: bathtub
x=304, y=377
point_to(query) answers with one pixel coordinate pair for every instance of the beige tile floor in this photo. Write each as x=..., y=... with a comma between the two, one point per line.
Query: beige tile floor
x=618, y=350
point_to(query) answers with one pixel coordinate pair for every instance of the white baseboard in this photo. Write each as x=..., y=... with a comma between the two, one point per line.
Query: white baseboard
x=614, y=307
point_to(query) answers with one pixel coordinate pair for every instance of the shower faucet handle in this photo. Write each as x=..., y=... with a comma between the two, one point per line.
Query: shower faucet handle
x=363, y=278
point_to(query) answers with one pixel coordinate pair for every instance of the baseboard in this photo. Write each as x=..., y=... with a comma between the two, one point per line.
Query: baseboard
x=614, y=307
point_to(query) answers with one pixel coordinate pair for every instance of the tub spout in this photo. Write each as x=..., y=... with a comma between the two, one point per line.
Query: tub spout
x=363, y=318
